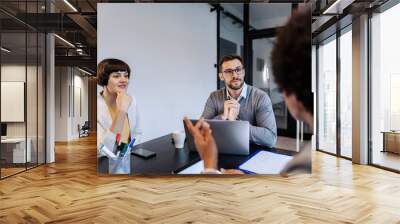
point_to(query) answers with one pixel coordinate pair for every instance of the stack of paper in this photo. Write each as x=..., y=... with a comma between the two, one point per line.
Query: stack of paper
x=265, y=162
x=194, y=169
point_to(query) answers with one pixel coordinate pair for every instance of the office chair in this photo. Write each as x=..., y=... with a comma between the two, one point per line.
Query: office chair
x=84, y=130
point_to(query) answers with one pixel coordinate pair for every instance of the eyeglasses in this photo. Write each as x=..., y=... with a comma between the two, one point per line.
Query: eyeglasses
x=238, y=70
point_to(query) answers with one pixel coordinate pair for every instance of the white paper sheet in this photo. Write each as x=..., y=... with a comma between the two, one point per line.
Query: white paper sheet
x=265, y=162
x=194, y=169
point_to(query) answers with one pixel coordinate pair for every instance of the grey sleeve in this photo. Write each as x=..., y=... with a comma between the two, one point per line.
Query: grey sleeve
x=210, y=109
x=264, y=133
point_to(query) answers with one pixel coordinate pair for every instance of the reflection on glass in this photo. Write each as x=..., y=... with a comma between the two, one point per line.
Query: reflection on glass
x=269, y=15
x=41, y=98
x=13, y=71
x=22, y=91
x=327, y=96
x=31, y=98
x=263, y=79
x=346, y=94
x=385, y=85
x=231, y=32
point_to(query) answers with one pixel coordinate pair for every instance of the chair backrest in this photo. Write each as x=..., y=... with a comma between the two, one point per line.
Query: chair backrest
x=86, y=125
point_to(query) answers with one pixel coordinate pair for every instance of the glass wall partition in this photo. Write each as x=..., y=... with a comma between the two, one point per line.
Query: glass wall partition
x=263, y=79
x=249, y=30
x=345, y=60
x=335, y=94
x=41, y=97
x=22, y=88
x=327, y=95
x=264, y=19
x=13, y=87
x=385, y=88
x=231, y=31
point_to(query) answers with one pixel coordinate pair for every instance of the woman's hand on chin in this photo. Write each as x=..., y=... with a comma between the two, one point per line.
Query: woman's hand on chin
x=123, y=101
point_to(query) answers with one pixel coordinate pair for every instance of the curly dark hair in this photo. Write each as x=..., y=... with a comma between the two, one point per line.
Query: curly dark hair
x=291, y=58
x=108, y=66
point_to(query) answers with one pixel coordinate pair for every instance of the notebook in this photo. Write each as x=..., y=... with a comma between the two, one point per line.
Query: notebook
x=265, y=162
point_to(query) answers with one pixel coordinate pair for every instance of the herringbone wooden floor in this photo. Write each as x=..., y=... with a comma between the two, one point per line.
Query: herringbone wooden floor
x=70, y=191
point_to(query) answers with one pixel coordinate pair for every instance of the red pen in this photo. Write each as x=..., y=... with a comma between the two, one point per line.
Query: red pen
x=117, y=141
x=118, y=138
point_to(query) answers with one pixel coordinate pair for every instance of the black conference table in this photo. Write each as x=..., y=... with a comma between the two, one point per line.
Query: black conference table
x=170, y=160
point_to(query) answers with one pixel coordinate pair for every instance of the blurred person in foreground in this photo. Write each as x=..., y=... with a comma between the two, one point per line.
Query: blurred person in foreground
x=291, y=64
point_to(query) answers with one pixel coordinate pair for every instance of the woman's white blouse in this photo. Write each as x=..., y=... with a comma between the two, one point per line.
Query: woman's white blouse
x=104, y=121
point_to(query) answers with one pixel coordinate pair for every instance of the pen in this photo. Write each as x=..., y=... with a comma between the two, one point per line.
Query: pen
x=132, y=142
x=126, y=148
x=117, y=139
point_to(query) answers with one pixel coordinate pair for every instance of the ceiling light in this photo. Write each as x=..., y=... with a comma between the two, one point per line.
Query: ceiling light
x=5, y=50
x=70, y=5
x=84, y=71
x=65, y=41
x=338, y=6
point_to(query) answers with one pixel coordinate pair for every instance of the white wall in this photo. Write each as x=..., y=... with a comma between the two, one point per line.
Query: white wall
x=68, y=81
x=33, y=125
x=171, y=49
x=12, y=101
x=61, y=103
x=80, y=108
x=17, y=73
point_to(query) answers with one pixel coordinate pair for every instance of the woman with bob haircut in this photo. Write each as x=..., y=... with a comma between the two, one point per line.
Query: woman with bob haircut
x=117, y=111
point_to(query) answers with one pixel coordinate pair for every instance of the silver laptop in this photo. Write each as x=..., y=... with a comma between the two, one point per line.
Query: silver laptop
x=231, y=137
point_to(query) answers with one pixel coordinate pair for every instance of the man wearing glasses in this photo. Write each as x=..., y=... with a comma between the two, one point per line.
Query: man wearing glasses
x=239, y=101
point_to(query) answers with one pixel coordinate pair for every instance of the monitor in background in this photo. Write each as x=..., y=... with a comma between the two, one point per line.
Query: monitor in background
x=3, y=130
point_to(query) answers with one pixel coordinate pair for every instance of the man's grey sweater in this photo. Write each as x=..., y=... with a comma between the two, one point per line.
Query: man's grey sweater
x=255, y=108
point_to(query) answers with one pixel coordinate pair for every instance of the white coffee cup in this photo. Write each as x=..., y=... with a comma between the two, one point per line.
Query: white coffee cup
x=179, y=139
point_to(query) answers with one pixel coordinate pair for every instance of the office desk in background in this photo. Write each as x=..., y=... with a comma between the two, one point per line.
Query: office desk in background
x=170, y=160
x=391, y=141
x=13, y=150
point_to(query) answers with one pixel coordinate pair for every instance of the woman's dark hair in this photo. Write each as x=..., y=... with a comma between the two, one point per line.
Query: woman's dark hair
x=108, y=66
x=291, y=58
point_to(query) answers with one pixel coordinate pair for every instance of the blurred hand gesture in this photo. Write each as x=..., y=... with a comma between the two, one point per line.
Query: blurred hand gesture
x=204, y=141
